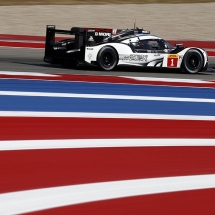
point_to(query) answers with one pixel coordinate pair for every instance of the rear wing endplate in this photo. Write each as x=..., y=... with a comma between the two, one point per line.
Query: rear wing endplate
x=50, y=37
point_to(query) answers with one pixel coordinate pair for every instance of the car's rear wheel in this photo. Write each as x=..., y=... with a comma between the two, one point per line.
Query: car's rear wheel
x=107, y=58
x=193, y=61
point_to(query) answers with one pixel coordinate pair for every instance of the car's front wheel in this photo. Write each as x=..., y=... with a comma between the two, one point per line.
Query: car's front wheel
x=107, y=58
x=193, y=61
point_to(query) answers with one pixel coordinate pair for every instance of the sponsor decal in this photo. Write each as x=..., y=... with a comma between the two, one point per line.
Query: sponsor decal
x=172, y=56
x=134, y=57
x=157, y=55
x=172, y=60
x=103, y=34
x=114, y=31
x=89, y=48
x=51, y=26
x=89, y=56
x=91, y=39
x=180, y=57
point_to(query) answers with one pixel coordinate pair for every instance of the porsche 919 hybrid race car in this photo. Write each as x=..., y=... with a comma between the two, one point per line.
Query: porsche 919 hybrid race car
x=108, y=48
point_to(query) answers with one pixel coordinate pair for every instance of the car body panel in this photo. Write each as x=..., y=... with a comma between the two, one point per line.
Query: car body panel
x=128, y=57
x=134, y=47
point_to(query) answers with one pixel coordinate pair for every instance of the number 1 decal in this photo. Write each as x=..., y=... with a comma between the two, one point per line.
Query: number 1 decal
x=172, y=60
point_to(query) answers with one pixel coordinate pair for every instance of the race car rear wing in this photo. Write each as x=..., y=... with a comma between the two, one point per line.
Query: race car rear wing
x=50, y=37
x=82, y=36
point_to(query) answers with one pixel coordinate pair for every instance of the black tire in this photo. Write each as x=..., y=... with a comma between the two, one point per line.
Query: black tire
x=193, y=61
x=107, y=58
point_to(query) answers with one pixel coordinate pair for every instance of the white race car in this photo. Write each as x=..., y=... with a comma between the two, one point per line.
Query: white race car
x=108, y=48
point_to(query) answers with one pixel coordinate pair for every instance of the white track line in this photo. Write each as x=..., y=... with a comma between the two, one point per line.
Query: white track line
x=23, y=41
x=40, y=199
x=197, y=81
x=103, y=115
x=209, y=49
x=27, y=74
x=102, y=96
x=20, y=47
x=128, y=77
x=101, y=143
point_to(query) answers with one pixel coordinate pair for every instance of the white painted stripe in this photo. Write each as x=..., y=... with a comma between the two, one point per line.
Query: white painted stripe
x=208, y=49
x=101, y=143
x=102, y=96
x=197, y=81
x=104, y=115
x=39, y=199
x=23, y=41
x=27, y=74
x=130, y=77
x=10, y=47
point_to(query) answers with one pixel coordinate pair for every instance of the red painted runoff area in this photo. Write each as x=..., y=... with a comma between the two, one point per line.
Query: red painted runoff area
x=22, y=44
x=201, y=44
x=111, y=79
x=34, y=169
x=104, y=164
x=30, y=41
x=40, y=128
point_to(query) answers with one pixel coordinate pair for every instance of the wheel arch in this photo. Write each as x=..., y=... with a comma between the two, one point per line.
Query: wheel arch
x=193, y=48
x=113, y=51
x=110, y=47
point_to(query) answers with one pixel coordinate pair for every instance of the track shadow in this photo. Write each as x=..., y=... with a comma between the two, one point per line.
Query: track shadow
x=119, y=70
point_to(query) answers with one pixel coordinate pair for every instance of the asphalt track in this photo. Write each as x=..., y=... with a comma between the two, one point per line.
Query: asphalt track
x=160, y=138
x=31, y=60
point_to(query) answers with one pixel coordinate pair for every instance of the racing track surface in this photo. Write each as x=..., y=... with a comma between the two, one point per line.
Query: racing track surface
x=109, y=147
x=31, y=60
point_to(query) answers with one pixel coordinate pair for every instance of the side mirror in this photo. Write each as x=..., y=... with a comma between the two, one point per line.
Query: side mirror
x=178, y=45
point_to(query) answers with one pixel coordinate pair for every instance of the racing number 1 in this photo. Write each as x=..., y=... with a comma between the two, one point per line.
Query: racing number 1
x=172, y=60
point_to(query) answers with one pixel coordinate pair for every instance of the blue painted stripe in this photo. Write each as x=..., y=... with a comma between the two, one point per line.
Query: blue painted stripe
x=50, y=104
x=101, y=88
